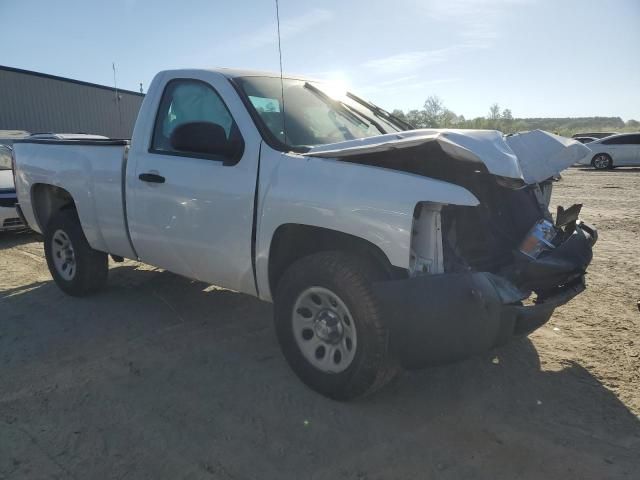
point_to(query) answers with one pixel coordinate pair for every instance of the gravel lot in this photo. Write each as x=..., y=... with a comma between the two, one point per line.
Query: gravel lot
x=161, y=377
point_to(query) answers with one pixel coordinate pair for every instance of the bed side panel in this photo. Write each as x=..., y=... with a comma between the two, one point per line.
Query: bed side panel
x=93, y=177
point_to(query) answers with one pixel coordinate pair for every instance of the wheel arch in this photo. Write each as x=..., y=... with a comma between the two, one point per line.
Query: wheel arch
x=293, y=241
x=48, y=199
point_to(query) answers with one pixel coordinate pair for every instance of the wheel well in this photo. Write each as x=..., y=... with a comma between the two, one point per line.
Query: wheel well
x=293, y=241
x=47, y=200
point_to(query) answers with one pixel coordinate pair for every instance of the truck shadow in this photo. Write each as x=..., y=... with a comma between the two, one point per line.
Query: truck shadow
x=187, y=366
x=18, y=237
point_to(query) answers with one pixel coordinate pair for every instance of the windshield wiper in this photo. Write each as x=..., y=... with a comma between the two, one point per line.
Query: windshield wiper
x=366, y=117
x=344, y=109
x=398, y=122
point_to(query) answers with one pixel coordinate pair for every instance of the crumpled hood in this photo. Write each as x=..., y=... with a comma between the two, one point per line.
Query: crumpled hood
x=6, y=180
x=531, y=156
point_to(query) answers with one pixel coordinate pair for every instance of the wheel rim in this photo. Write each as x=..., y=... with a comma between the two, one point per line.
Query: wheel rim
x=601, y=161
x=324, y=330
x=64, y=258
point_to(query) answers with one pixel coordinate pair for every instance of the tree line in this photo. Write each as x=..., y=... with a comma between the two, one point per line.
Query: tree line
x=434, y=114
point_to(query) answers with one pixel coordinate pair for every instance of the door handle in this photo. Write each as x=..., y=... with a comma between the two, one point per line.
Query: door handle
x=151, y=178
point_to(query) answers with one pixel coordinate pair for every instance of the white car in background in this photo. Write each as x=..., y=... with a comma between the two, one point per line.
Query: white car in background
x=9, y=219
x=621, y=150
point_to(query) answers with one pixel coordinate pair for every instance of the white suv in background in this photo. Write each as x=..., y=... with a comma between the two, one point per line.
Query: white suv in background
x=622, y=150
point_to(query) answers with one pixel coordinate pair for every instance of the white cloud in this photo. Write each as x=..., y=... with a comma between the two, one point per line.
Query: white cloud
x=408, y=62
x=404, y=84
x=289, y=27
x=477, y=20
x=476, y=23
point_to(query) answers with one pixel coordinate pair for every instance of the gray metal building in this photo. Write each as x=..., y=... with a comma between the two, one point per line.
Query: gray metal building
x=37, y=102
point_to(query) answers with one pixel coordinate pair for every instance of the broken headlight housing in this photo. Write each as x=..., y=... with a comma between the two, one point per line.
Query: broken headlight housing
x=539, y=239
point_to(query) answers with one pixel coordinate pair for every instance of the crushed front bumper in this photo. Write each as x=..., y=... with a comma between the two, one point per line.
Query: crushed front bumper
x=435, y=319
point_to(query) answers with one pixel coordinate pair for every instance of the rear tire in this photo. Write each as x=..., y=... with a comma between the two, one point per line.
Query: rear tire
x=602, y=161
x=76, y=268
x=337, y=343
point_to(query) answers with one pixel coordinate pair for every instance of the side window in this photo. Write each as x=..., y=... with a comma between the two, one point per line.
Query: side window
x=192, y=120
x=621, y=140
x=634, y=139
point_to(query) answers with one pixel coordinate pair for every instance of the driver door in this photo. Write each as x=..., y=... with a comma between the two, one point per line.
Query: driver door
x=192, y=213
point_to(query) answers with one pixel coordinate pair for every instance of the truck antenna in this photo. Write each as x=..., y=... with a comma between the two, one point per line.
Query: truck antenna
x=284, y=129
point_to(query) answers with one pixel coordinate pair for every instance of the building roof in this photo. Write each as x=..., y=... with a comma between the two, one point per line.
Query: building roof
x=69, y=80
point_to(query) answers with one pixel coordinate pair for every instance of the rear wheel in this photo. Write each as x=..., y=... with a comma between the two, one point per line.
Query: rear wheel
x=329, y=325
x=75, y=267
x=602, y=161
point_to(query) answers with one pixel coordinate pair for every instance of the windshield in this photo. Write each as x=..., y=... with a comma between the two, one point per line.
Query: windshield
x=314, y=113
x=5, y=158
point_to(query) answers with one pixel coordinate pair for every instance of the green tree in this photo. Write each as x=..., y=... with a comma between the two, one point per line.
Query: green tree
x=494, y=112
x=434, y=114
x=448, y=119
x=507, y=121
x=433, y=111
x=416, y=118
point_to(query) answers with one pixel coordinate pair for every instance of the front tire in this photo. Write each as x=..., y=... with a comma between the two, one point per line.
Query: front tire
x=76, y=268
x=329, y=325
x=602, y=161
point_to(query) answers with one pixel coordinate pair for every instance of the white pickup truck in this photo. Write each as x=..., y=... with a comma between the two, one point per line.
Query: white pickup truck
x=380, y=246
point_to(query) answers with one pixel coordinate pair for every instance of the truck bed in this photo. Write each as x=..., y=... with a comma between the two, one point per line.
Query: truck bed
x=92, y=171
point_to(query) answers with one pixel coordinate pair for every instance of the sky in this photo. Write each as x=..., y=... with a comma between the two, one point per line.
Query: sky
x=539, y=58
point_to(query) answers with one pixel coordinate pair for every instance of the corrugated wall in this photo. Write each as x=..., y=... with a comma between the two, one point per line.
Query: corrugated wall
x=38, y=103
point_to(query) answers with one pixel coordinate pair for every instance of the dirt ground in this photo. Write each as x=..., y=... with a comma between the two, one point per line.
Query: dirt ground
x=160, y=377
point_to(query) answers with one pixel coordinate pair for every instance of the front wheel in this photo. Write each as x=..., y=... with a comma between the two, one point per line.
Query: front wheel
x=75, y=267
x=602, y=161
x=329, y=325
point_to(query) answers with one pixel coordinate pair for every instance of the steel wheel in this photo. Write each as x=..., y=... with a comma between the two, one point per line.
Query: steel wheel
x=324, y=330
x=63, y=255
x=601, y=161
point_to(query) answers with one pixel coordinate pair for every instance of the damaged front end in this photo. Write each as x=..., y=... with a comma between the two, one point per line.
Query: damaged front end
x=506, y=267
x=480, y=275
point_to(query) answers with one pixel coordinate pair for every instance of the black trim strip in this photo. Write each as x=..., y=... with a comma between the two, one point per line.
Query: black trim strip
x=254, y=228
x=201, y=156
x=68, y=80
x=123, y=192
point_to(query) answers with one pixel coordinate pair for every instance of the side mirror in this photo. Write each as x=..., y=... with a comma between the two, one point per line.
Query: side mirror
x=204, y=137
